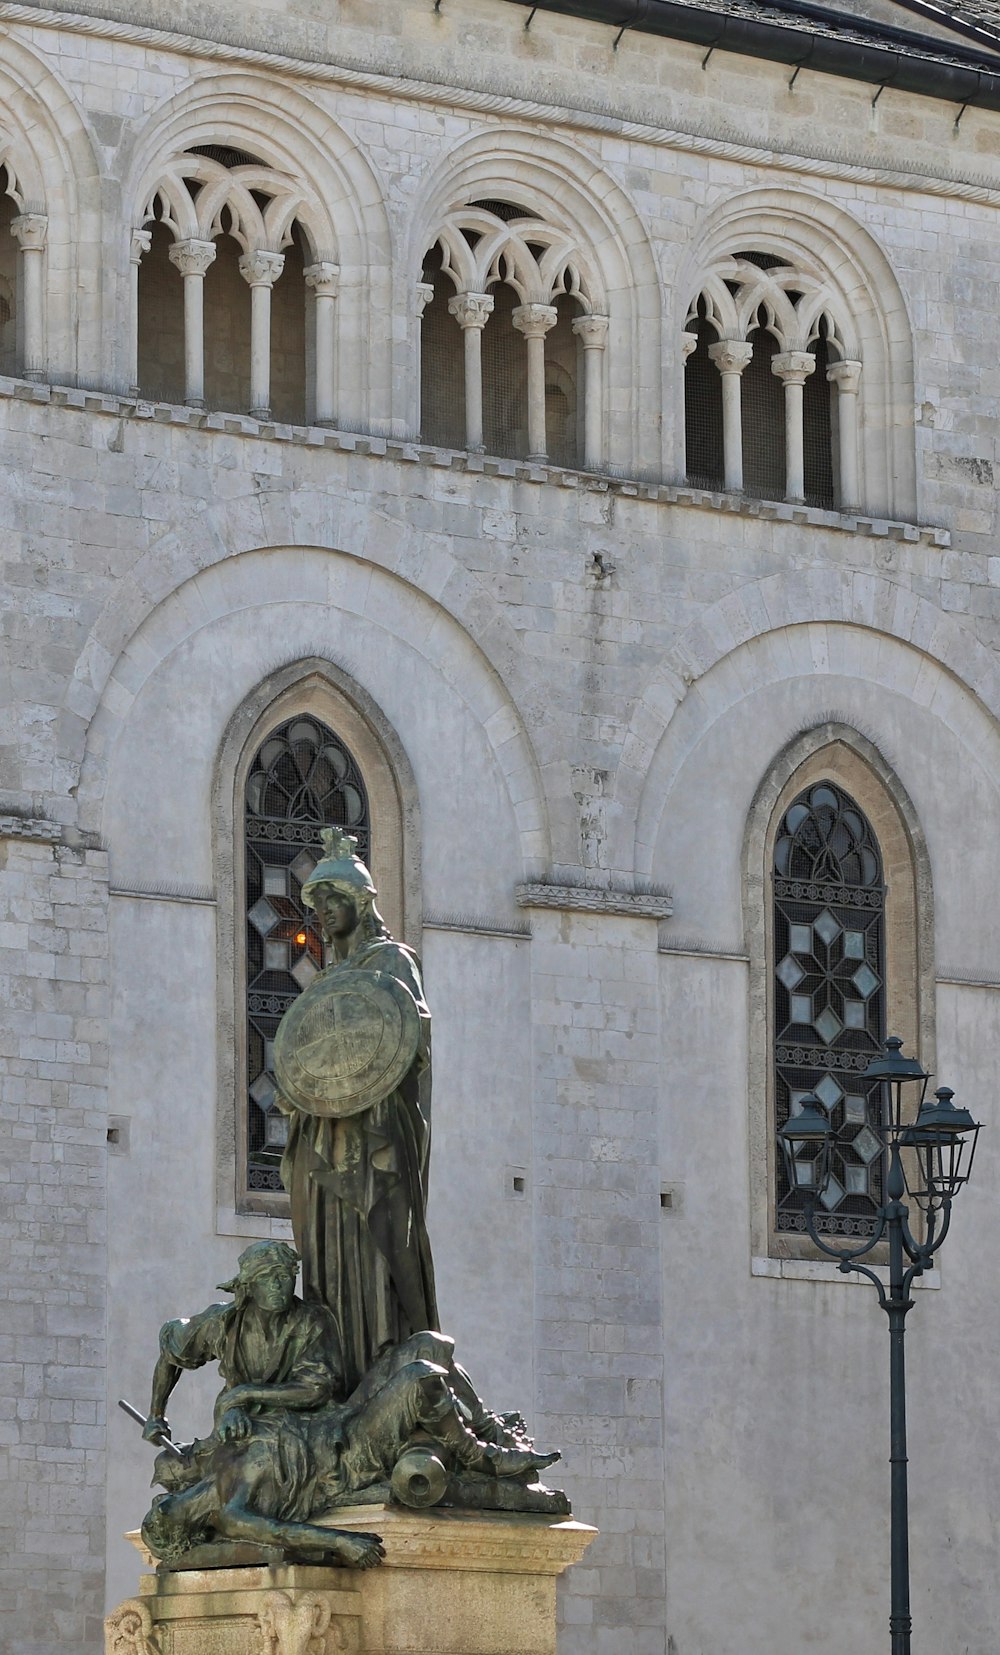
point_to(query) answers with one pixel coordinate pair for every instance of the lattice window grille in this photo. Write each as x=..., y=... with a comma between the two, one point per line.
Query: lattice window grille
x=302, y=779
x=829, y=998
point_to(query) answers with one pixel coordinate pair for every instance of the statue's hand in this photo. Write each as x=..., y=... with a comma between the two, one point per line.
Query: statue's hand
x=155, y=1428
x=234, y=1425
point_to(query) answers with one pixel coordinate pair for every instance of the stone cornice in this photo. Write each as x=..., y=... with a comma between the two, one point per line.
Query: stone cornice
x=593, y=899
x=733, y=145
x=403, y=449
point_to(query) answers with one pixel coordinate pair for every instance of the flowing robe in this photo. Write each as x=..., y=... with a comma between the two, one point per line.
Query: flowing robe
x=358, y=1190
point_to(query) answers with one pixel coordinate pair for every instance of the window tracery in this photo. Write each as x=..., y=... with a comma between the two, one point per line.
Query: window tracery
x=302, y=778
x=781, y=342
x=522, y=374
x=249, y=246
x=829, y=996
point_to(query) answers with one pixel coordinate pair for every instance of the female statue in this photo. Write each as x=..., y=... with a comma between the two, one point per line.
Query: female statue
x=358, y=1181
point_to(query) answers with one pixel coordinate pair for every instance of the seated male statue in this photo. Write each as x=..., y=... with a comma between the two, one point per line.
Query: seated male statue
x=288, y=1445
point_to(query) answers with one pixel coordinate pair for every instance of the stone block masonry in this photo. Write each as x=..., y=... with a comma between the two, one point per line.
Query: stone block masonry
x=53, y=1254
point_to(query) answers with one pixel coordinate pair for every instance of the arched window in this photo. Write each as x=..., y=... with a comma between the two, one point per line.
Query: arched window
x=787, y=422
x=233, y=292
x=302, y=778
x=8, y=278
x=829, y=996
x=512, y=339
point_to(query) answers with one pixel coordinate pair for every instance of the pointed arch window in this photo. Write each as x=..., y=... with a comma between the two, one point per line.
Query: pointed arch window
x=302, y=778
x=829, y=996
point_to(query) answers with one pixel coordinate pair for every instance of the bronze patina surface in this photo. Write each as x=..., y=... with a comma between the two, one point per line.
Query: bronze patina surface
x=347, y=1042
x=347, y=1395
x=290, y=1445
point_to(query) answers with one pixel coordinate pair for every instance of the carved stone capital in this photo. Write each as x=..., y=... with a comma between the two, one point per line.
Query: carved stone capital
x=689, y=343
x=593, y=330
x=129, y=1631
x=139, y=243
x=29, y=229
x=846, y=376
x=793, y=367
x=731, y=356
x=471, y=310
x=295, y=1623
x=261, y=269
x=192, y=258
x=534, y=321
x=324, y=277
x=425, y=293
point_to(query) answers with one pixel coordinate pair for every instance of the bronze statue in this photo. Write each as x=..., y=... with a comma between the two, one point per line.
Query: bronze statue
x=352, y=1057
x=348, y=1395
x=290, y=1445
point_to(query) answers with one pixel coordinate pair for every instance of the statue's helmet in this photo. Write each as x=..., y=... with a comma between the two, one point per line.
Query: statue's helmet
x=340, y=867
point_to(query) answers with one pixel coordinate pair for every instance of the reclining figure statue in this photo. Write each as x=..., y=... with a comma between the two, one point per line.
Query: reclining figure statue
x=288, y=1445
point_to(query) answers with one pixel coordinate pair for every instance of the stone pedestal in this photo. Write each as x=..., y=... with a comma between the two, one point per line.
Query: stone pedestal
x=453, y=1583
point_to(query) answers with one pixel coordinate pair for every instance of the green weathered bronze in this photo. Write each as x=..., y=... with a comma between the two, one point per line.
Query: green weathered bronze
x=290, y=1444
x=347, y=1395
x=357, y=1177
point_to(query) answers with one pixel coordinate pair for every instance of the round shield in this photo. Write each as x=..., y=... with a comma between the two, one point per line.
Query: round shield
x=346, y=1043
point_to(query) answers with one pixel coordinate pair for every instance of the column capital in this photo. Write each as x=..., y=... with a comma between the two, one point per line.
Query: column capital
x=534, y=321
x=794, y=367
x=139, y=243
x=324, y=277
x=261, y=269
x=593, y=331
x=845, y=375
x=192, y=258
x=731, y=356
x=689, y=344
x=471, y=310
x=424, y=295
x=29, y=229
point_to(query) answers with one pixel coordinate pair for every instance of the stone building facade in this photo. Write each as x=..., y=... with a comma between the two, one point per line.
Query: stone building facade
x=590, y=435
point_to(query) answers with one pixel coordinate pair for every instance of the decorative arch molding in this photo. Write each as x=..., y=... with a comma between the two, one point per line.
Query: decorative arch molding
x=51, y=157
x=845, y=274
x=808, y=598
x=321, y=177
x=328, y=580
x=832, y=751
x=566, y=188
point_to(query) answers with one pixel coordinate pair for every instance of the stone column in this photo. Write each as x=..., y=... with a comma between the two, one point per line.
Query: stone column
x=29, y=230
x=260, y=271
x=323, y=278
x=731, y=356
x=593, y=333
x=425, y=293
x=534, y=321
x=192, y=259
x=847, y=378
x=793, y=369
x=472, y=311
x=138, y=245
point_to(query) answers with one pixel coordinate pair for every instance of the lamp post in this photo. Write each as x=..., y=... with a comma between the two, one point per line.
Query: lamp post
x=928, y=1158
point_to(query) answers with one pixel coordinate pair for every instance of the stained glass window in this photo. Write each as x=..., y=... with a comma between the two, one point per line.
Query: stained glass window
x=302, y=779
x=829, y=997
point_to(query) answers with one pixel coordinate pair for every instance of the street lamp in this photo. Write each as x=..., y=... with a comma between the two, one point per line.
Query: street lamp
x=928, y=1158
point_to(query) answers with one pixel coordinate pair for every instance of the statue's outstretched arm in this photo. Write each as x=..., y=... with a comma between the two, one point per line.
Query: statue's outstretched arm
x=165, y=1377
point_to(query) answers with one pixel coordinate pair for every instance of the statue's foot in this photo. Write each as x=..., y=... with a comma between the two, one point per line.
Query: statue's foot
x=356, y=1551
x=514, y=1462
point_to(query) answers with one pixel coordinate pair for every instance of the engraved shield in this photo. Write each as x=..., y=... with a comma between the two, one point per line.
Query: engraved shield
x=346, y=1043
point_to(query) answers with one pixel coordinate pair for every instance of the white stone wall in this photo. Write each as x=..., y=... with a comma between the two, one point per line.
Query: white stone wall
x=589, y=676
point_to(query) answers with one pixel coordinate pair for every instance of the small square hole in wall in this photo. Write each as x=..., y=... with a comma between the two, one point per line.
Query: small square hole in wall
x=515, y=1183
x=671, y=1198
x=118, y=1134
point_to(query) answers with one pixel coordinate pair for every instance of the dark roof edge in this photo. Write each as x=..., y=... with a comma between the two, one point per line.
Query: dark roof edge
x=877, y=64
